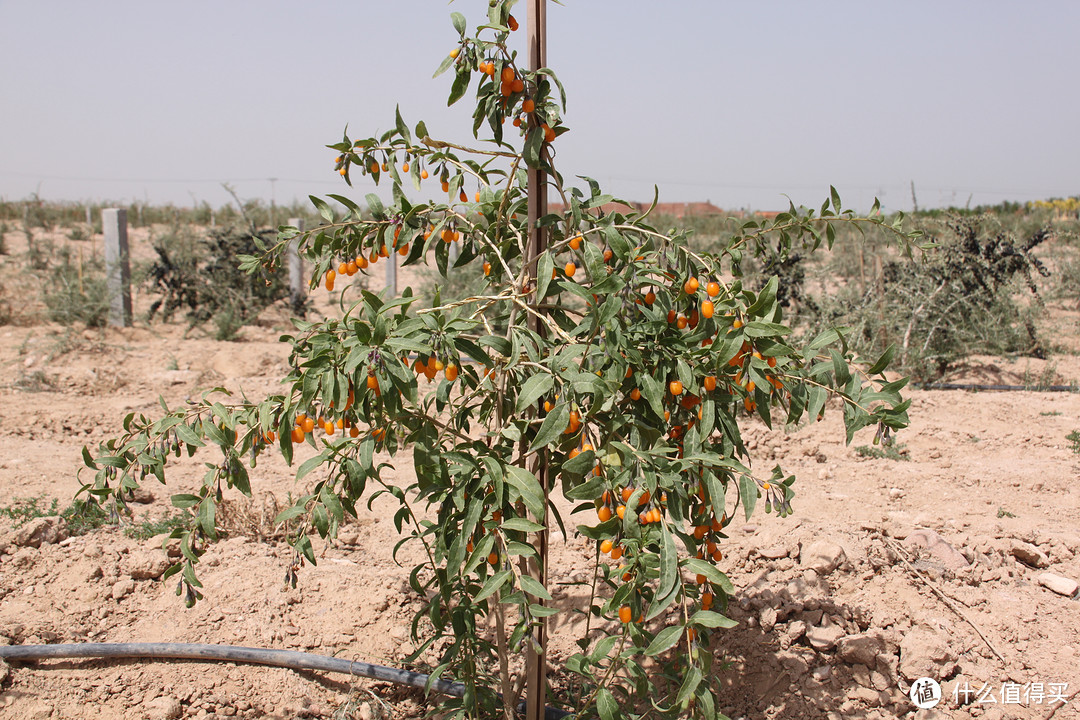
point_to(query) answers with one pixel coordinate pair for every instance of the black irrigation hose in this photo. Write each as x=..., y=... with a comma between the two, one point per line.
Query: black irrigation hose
x=232, y=653
x=965, y=386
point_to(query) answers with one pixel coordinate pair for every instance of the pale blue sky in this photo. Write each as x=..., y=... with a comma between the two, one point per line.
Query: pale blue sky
x=733, y=102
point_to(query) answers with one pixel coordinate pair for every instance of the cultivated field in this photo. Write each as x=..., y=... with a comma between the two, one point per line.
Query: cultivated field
x=929, y=560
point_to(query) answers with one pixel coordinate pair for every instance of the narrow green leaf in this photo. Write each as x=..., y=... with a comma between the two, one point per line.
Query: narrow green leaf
x=492, y=585
x=606, y=705
x=883, y=361
x=519, y=524
x=553, y=426
x=664, y=639
x=533, y=587
x=710, y=619
x=748, y=494
x=533, y=389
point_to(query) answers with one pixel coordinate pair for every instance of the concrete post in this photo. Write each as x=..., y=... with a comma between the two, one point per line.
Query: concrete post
x=297, y=289
x=117, y=265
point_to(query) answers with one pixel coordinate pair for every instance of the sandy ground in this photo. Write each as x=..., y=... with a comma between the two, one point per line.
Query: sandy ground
x=889, y=571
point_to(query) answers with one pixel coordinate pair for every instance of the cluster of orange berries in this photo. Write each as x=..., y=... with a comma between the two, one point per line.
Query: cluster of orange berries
x=610, y=506
x=305, y=425
x=431, y=366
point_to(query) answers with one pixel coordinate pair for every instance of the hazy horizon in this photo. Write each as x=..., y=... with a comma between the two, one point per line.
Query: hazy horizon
x=740, y=105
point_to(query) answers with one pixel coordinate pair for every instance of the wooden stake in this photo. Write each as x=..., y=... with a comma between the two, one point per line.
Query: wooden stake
x=536, y=652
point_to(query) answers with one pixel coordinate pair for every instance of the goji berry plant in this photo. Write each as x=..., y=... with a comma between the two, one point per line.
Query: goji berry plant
x=615, y=368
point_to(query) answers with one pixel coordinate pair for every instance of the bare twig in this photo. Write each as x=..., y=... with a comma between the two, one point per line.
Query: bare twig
x=944, y=598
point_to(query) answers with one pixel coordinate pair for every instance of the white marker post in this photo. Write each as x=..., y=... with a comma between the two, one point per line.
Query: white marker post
x=117, y=266
x=297, y=290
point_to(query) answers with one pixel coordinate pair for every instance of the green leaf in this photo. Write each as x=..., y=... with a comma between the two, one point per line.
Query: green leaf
x=606, y=705
x=520, y=524
x=533, y=143
x=461, y=84
x=711, y=573
x=748, y=494
x=185, y=501
x=492, y=585
x=835, y=197
x=710, y=619
x=533, y=587
x=553, y=426
x=544, y=265
x=533, y=389
x=883, y=361
x=664, y=639
x=690, y=683
x=529, y=488
x=402, y=128
x=653, y=392
x=459, y=22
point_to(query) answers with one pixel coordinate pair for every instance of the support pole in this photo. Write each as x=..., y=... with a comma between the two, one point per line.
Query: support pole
x=536, y=651
x=117, y=266
x=297, y=289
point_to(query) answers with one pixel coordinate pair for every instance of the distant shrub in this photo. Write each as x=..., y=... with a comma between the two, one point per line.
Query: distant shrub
x=198, y=274
x=76, y=291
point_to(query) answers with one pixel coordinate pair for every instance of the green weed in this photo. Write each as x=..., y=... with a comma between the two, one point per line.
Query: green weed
x=889, y=452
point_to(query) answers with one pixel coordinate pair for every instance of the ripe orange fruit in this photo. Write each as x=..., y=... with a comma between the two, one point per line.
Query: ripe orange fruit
x=372, y=382
x=455, y=52
x=354, y=432
x=451, y=372
x=493, y=558
x=511, y=23
x=424, y=175
x=605, y=547
x=626, y=614
x=681, y=322
x=518, y=85
x=297, y=435
x=604, y=513
x=620, y=511
x=575, y=242
x=330, y=275
x=487, y=269
x=405, y=167
x=707, y=309
x=691, y=286
x=463, y=197
x=710, y=383
x=737, y=324
x=671, y=316
x=712, y=289
x=375, y=168
x=528, y=106
x=549, y=134
x=508, y=75
x=771, y=362
x=616, y=553
x=570, y=269
x=650, y=298
x=307, y=424
x=403, y=250
x=445, y=186
x=635, y=394
x=675, y=387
